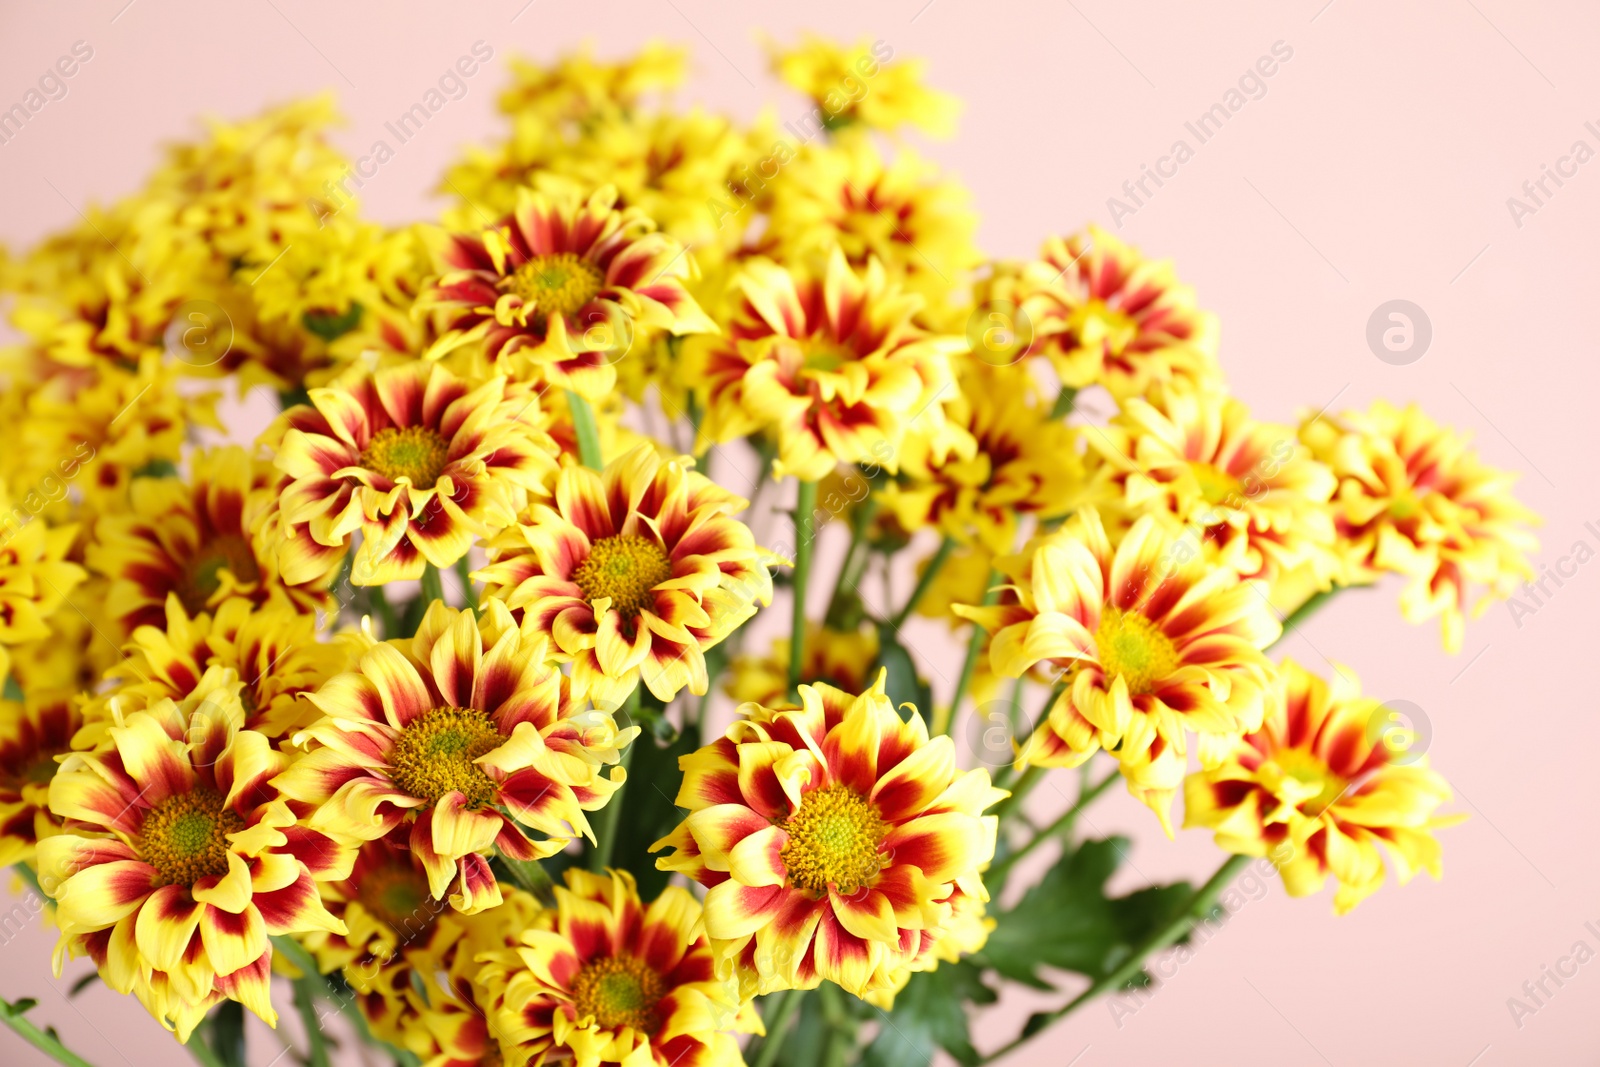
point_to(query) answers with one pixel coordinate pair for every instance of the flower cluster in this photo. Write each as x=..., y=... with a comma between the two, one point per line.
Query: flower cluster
x=437, y=698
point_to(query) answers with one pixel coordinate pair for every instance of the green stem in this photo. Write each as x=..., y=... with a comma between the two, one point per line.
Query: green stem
x=929, y=573
x=1306, y=610
x=432, y=584
x=841, y=1028
x=782, y=1013
x=469, y=595
x=305, y=989
x=531, y=875
x=12, y=1014
x=1019, y=792
x=1064, y=401
x=307, y=966
x=969, y=665
x=388, y=621
x=586, y=430
x=203, y=1053
x=611, y=814
x=995, y=876
x=805, y=538
x=1194, y=909
x=855, y=557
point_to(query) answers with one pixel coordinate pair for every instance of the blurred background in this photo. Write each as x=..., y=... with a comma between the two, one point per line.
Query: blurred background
x=1376, y=164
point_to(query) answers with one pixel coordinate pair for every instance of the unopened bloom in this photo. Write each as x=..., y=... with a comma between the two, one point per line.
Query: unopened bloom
x=1328, y=785
x=464, y=735
x=831, y=838
x=1151, y=643
x=609, y=979
x=633, y=572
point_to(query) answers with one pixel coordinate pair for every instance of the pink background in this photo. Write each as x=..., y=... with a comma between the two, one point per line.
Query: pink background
x=1377, y=166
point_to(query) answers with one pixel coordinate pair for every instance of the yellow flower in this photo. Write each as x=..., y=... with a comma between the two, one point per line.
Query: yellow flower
x=1413, y=498
x=577, y=88
x=180, y=860
x=566, y=285
x=843, y=659
x=830, y=838
x=198, y=539
x=898, y=212
x=861, y=85
x=1149, y=642
x=1248, y=492
x=1012, y=460
x=1324, y=782
x=632, y=573
x=36, y=578
x=33, y=733
x=1104, y=315
x=828, y=360
x=463, y=735
x=419, y=460
x=607, y=979
x=270, y=655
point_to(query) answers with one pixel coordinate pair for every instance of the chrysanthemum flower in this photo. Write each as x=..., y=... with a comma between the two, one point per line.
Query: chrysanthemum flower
x=271, y=656
x=1016, y=462
x=463, y=735
x=1414, y=498
x=179, y=859
x=1325, y=781
x=830, y=839
x=1150, y=643
x=829, y=361
x=861, y=84
x=419, y=460
x=611, y=980
x=632, y=573
x=842, y=658
x=35, y=576
x=578, y=88
x=566, y=286
x=33, y=732
x=1249, y=491
x=198, y=539
x=919, y=226
x=1106, y=316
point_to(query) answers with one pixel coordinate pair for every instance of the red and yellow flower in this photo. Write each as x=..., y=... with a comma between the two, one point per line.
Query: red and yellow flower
x=1149, y=642
x=607, y=979
x=1328, y=785
x=198, y=539
x=417, y=459
x=861, y=84
x=464, y=735
x=1105, y=315
x=632, y=573
x=178, y=860
x=1415, y=499
x=842, y=658
x=831, y=838
x=1250, y=490
x=829, y=361
x=565, y=286
x=36, y=578
x=33, y=733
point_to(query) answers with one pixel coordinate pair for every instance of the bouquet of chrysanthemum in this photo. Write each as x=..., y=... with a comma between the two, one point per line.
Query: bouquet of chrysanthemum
x=406, y=707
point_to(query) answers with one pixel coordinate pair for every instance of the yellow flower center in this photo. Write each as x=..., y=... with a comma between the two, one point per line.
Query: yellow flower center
x=834, y=839
x=618, y=991
x=434, y=756
x=414, y=452
x=1096, y=323
x=1217, y=486
x=185, y=837
x=1311, y=771
x=625, y=568
x=1404, y=506
x=559, y=283
x=1130, y=645
x=204, y=576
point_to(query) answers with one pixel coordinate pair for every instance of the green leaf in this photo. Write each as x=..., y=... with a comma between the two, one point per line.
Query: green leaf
x=1067, y=921
x=903, y=684
x=928, y=1014
x=648, y=812
x=157, y=468
x=227, y=1032
x=332, y=327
